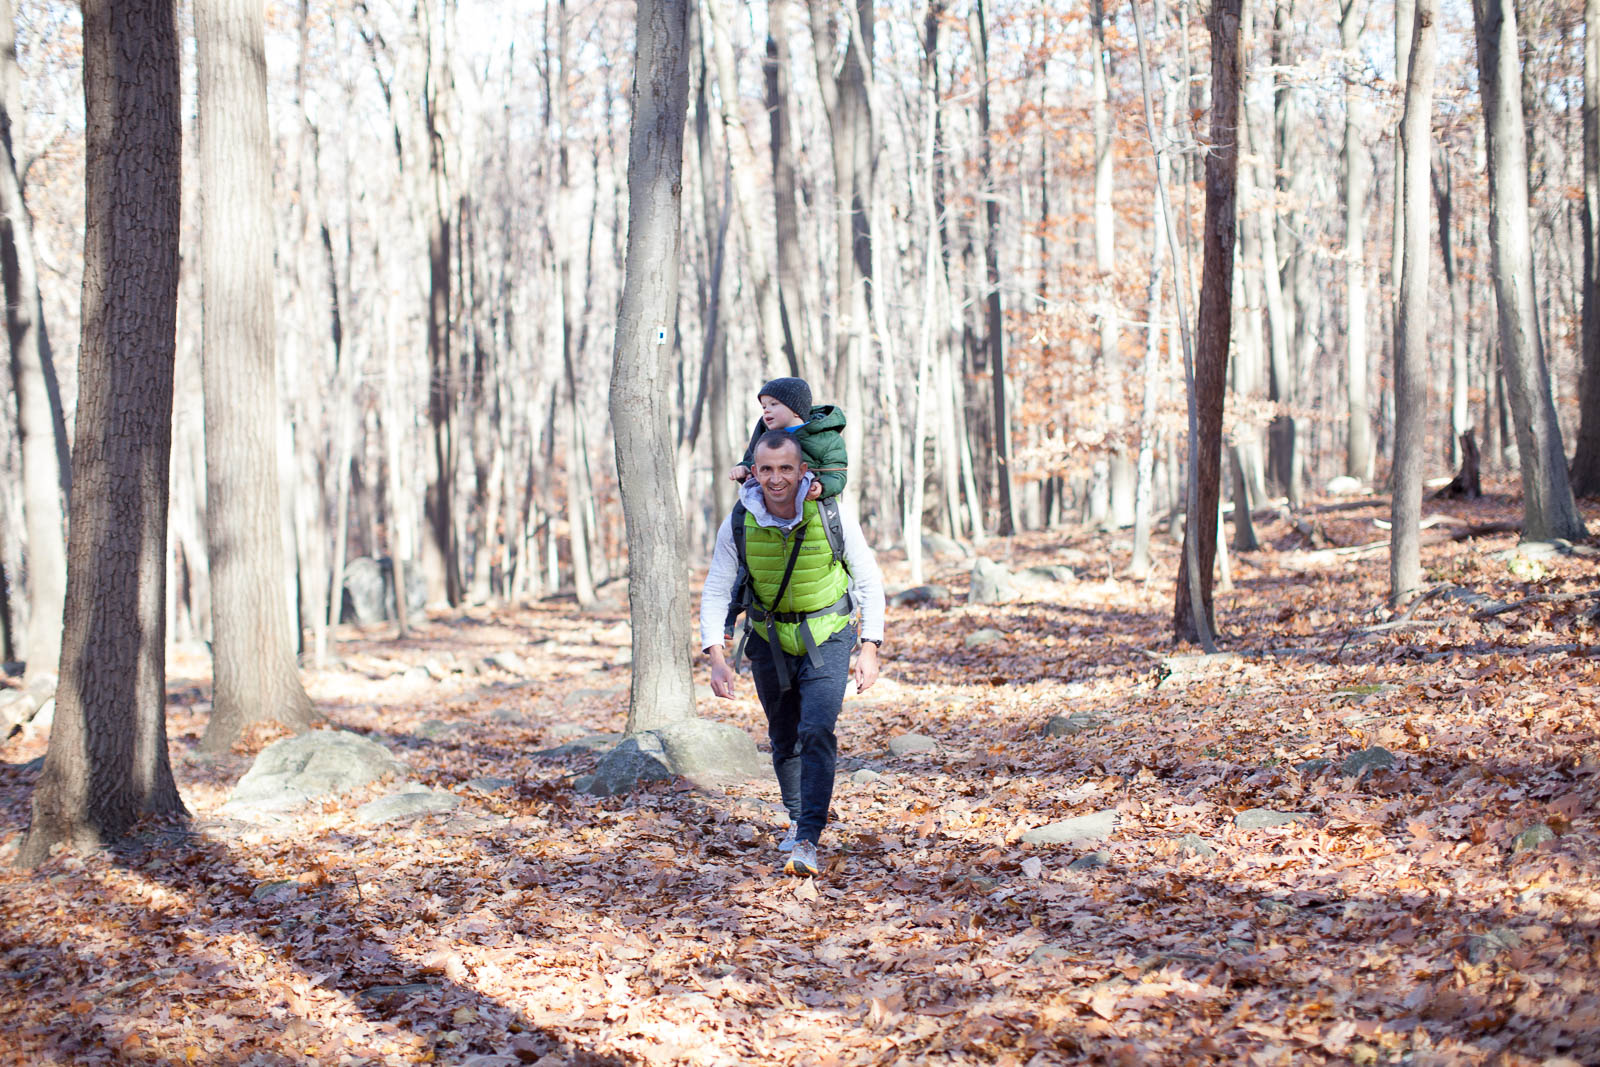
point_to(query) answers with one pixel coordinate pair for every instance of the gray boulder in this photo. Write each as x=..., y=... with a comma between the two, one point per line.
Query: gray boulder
x=979, y=638
x=1048, y=574
x=290, y=772
x=991, y=584
x=414, y=801
x=1094, y=827
x=1198, y=845
x=1263, y=818
x=942, y=547
x=920, y=594
x=910, y=744
x=1070, y=725
x=697, y=749
x=1360, y=764
x=369, y=590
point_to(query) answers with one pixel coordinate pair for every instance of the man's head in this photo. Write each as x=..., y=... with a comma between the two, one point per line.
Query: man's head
x=785, y=402
x=779, y=467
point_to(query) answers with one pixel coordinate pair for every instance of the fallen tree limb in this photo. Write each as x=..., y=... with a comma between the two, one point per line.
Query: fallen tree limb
x=1501, y=607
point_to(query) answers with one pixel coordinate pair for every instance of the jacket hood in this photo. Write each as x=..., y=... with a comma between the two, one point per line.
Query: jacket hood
x=755, y=502
x=825, y=417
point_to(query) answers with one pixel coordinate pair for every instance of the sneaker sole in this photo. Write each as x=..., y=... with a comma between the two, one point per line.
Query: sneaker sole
x=799, y=869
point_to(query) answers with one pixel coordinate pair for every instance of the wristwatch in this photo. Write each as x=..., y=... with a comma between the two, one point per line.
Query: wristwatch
x=872, y=641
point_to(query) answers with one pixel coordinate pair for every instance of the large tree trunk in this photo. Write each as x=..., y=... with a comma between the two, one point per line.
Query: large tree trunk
x=658, y=586
x=1547, y=505
x=994, y=323
x=1411, y=356
x=770, y=334
x=1586, y=460
x=253, y=651
x=1119, y=465
x=1444, y=197
x=441, y=559
x=843, y=84
x=799, y=332
x=107, y=764
x=1216, y=313
x=1359, y=454
x=1290, y=288
x=40, y=426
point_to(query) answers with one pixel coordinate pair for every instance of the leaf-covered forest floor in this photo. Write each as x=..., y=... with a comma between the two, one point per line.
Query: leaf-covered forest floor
x=1397, y=921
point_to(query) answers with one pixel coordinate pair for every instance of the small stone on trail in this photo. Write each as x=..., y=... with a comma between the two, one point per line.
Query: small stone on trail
x=1094, y=827
x=985, y=636
x=1484, y=947
x=1314, y=766
x=1532, y=838
x=434, y=729
x=1048, y=954
x=1090, y=862
x=490, y=784
x=507, y=661
x=865, y=776
x=409, y=803
x=1068, y=725
x=507, y=716
x=1262, y=818
x=1198, y=845
x=908, y=744
x=280, y=889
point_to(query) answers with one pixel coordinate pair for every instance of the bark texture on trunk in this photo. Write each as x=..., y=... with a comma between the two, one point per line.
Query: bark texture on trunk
x=658, y=586
x=1357, y=191
x=1215, y=319
x=1411, y=335
x=107, y=765
x=255, y=678
x=41, y=429
x=799, y=333
x=994, y=323
x=1547, y=505
x=1586, y=460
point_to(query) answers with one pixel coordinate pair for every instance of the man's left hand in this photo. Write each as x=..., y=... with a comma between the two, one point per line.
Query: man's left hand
x=866, y=670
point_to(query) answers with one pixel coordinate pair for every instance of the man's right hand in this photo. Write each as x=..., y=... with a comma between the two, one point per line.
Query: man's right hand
x=722, y=675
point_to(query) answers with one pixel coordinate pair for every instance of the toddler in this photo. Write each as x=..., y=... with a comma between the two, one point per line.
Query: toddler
x=786, y=405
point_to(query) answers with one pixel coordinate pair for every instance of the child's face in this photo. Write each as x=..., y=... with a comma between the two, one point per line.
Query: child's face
x=777, y=416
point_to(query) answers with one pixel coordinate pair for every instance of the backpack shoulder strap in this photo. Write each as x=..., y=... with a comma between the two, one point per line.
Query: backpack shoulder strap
x=832, y=525
x=737, y=519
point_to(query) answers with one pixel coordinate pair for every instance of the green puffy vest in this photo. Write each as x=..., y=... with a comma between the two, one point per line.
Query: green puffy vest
x=818, y=582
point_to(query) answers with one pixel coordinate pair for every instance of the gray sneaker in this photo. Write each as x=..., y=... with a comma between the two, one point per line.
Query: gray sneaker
x=802, y=861
x=787, y=844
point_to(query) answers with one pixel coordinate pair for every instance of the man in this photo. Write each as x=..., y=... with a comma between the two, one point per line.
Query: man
x=800, y=631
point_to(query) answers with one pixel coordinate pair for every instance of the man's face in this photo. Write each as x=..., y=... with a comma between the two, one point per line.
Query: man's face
x=779, y=470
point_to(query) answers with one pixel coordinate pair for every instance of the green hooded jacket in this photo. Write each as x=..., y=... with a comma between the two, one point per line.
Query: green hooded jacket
x=821, y=439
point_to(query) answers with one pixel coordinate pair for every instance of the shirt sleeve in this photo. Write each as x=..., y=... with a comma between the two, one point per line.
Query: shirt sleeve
x=866, y=581
x=717, y=594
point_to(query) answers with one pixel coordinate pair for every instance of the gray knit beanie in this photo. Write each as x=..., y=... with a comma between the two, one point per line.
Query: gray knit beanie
x=792, y=393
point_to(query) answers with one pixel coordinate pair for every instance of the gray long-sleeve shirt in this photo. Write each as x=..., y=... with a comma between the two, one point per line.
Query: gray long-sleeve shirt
x=866, y=583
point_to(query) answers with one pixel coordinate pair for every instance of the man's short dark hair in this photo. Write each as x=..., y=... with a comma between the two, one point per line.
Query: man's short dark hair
x=780, y=439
